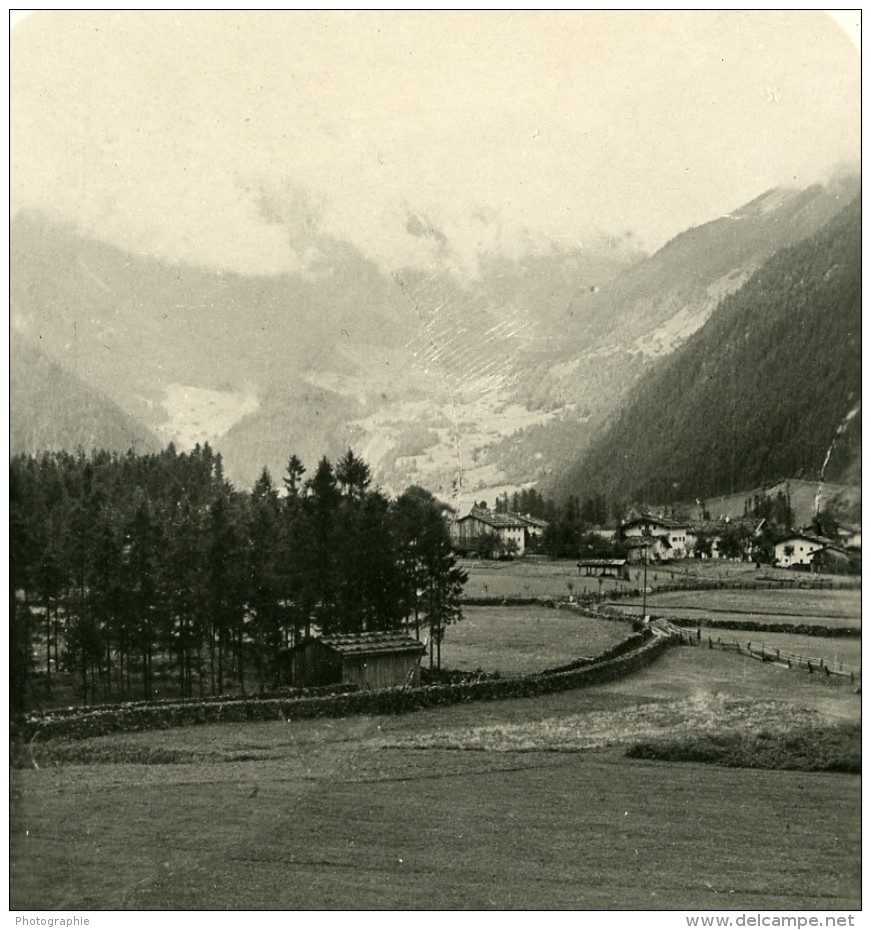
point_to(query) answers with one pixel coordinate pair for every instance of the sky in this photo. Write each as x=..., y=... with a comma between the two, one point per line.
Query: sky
x=238, y=140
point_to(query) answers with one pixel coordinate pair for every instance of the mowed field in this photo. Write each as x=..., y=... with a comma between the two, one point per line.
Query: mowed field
x=510, y=804
x=534, y=576
x=538, y=576
x=837, y=608
x=522, y=640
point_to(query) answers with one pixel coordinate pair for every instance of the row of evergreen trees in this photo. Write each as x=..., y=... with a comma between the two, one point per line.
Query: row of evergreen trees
x=148, y=574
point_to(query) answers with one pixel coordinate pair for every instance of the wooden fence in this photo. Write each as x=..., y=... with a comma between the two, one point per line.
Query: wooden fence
x=767, y=653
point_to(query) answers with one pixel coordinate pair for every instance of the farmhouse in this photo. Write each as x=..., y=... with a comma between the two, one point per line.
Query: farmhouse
x=661, y=539
x=474, y=532
x=802, y=549
x=648, y=548
x=368, y=660
x=723, y=539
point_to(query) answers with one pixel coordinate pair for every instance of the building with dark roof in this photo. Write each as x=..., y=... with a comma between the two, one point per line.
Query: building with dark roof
x=660, y=539
x=470, y=533
x=605, y=568
x=368, y=660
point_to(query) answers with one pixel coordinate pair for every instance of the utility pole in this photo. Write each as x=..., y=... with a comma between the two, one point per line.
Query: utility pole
x=644, y=590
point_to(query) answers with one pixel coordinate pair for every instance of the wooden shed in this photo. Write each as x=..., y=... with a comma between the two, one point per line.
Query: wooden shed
x=368, y=660
x=604, y=568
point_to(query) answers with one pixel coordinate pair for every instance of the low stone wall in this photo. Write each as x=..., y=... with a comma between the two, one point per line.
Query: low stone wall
x=392, y=701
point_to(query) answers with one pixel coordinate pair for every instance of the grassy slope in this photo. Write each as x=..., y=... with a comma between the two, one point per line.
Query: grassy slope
x=339, y=821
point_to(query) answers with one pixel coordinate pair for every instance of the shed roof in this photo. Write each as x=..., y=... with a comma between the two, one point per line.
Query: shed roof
x=601, y=563
x=367, y=644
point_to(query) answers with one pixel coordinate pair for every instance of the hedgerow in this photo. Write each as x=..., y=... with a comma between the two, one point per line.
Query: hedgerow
x=315, y=691
x=804, y=629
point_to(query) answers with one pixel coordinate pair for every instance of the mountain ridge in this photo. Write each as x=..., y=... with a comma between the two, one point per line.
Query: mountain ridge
x=765, y=390
x=458, y=384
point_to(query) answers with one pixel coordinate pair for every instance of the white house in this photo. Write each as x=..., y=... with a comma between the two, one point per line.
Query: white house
x=512, y=530
x=665, y=539
x=800, y=549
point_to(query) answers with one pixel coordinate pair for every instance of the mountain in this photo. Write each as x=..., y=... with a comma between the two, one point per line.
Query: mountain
x=50, y=409
x=339, y=351
x=461, y=379
x=768, y=388
x=609, y=335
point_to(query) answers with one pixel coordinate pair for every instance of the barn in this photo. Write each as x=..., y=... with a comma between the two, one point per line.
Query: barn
x=604, y=568
x=368, y=660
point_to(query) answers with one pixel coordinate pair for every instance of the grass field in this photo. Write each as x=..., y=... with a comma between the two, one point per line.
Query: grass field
x=522, y=640
x=377, y=812
x=832, y=650
x=840, y=608
x=528, y=577
x=537, y=576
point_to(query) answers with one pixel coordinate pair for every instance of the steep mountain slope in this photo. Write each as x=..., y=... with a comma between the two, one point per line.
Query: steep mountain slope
x=50, y=409
x=768, y=388
x=610, y=335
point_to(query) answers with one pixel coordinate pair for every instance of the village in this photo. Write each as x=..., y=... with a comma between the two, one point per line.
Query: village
x=656, y=539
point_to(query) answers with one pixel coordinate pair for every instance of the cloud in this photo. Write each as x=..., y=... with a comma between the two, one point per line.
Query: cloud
x=239, y=140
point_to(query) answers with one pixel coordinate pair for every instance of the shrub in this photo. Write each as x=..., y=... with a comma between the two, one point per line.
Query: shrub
x=833, y=749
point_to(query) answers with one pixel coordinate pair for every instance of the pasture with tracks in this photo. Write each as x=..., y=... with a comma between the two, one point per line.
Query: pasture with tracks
x=520, y=803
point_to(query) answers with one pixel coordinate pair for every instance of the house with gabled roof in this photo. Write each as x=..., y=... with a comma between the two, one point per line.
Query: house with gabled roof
x=369, y=660
x=469, y=533
x=803, y=549
x=659, y=538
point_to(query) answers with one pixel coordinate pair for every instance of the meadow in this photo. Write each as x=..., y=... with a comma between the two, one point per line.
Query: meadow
x=837, y=608
x=523, y=640
x=538, y=576
x=511, y=804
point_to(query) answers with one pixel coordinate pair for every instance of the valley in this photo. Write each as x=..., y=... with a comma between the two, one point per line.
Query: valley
x=464, y=386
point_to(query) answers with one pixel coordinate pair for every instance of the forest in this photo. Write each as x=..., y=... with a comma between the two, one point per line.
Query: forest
x=767, y=389
x=150, y=576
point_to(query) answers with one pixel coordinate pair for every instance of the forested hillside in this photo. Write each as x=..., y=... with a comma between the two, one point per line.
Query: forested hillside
x=759, y=393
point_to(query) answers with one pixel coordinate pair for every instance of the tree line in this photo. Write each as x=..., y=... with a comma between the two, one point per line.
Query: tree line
x=151, y=575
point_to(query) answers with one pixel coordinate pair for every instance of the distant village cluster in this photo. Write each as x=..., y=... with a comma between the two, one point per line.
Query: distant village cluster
x=655, y=539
